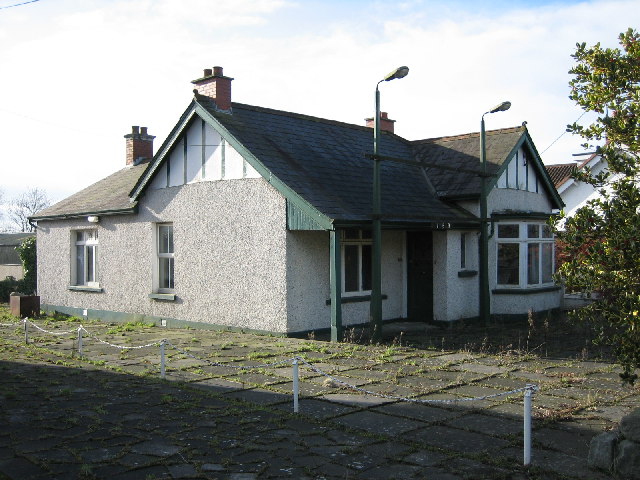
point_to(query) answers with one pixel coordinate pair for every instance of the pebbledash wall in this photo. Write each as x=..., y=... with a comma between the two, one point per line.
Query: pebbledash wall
x=236, y=265
x=230, y=258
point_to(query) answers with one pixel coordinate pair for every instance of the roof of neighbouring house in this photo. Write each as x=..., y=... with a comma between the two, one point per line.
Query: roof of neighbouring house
x=561, y=172
x=14, y=239
x=109, y=195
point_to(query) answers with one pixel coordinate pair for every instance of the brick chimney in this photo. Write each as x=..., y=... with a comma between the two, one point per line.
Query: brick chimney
x=386, y=124
x=139, y=146
x=215, y=86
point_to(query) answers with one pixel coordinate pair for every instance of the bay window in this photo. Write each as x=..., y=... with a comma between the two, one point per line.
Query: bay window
x=524, y=255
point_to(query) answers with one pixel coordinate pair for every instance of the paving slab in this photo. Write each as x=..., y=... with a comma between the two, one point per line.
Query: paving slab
x=378, y=423
x=457, y=440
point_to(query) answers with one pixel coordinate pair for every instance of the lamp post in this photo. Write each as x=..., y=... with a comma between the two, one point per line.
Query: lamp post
x=375, y=316
x=483, y=294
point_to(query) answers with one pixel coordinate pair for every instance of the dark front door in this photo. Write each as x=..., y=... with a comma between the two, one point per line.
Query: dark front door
x=420, y=276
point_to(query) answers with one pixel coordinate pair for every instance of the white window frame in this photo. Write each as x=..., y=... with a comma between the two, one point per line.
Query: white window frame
x=359, y=242
x=524, y=241
x=86, y=241
x=160, y=257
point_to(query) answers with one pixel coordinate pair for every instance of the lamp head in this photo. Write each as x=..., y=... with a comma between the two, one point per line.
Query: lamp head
x=501, y=108
x=399, y=72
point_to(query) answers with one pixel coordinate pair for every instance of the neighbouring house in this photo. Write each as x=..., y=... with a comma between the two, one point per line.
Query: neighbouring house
x=576, y=194
x=259, y=219
x=10, y=263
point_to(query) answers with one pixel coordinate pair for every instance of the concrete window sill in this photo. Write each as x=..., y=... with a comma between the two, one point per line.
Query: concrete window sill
x=163, y=297
x=82, y=288
x=467, y=273
x=356, y=299
x=525, y=291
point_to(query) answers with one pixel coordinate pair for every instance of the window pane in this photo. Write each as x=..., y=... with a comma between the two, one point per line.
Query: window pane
x=351, y=234
x=533, y=263
x=366, y=234
x=350, y=268
x=366, y=267
x=80, y=264
x=90, y=259
x=547, y=262
x=165, y=239
x=508, y=263
x=546, y=231
x=166, y=272
x=533, y=231
x=508, y=231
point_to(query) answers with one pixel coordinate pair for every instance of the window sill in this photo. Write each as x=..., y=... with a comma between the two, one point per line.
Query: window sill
x=84, y=288
x=525, y=291
x=356, y=299
x=467, y=273
x=163, y=297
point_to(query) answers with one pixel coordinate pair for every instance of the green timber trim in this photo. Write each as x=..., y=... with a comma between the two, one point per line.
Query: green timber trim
x=525, y=139
x=125, y=211
x=467, y=273
x=159, y=157
x=321, y=220
x=335, y=281
x=297, y=218
x=160, y=321
x=522, y=215
x=525, y=291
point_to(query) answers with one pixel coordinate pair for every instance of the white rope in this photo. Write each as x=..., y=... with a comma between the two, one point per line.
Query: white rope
x=239, y=367
x=51, y=333
x=122, y=347
x=414, y=400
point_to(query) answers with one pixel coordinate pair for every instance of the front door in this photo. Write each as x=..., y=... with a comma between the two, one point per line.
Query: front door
x=420, y=276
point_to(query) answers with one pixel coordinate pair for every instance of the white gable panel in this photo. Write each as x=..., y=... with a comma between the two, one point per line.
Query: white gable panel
x=249, y=171
x=160, y=179
x=176, y=165
x=212, y=154
x=233, y=163
x=194, y=152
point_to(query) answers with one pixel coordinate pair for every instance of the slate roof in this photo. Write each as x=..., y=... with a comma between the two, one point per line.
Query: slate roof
x=324, y=162
x=463, y=152
x=109, y=195
x=561, y=172
x=14, y=239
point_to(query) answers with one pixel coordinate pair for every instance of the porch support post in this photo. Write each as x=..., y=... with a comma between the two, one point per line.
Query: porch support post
x=335, y=276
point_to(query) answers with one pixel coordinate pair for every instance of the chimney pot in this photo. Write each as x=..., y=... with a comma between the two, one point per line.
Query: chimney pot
x=139, y=146
x=215, y=86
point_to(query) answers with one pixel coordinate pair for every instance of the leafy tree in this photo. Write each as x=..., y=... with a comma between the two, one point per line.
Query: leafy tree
x=26, y=205
x=602, y=240
x=27, y=252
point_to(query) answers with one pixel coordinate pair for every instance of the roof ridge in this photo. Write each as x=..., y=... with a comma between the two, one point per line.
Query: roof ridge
x=303, y=116
x=470, y=135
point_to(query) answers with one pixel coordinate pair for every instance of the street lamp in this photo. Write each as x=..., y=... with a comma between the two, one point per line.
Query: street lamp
x=483, y=294
x=375, y=315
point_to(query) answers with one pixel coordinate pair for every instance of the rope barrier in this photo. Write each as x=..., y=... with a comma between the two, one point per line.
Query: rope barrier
x=528, y=390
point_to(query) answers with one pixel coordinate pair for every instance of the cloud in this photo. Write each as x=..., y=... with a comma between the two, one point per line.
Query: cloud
x=77, y=75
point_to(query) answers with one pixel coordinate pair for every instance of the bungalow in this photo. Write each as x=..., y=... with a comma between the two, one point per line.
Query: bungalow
x=10, y=263
x=259, y=219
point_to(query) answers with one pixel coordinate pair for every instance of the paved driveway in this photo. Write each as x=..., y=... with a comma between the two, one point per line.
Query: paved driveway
x=109, y=415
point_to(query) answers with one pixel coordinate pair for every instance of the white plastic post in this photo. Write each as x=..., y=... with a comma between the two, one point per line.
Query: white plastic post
x=295, y=385
x=527, y=424
x=162, y=369
x=26, y=330
x=80, y=340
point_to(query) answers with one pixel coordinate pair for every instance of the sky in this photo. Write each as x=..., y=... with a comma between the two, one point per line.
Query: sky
x=75, y=75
